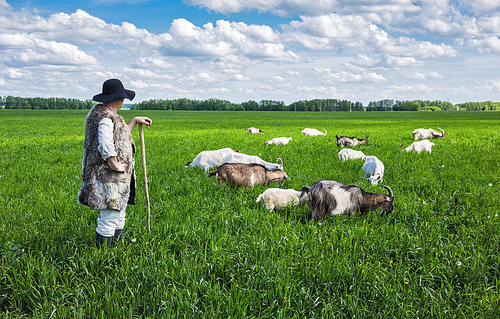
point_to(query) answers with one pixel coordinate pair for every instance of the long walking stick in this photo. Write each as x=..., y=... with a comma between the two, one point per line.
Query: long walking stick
x=144, y=174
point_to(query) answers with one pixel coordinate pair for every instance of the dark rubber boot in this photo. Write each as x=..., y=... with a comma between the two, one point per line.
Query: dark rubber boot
x=100, y=241
x=118, y=234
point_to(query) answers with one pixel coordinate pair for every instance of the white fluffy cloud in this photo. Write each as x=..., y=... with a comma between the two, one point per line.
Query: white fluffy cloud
x=292, y=7
x=333, y=30
x=348, y=77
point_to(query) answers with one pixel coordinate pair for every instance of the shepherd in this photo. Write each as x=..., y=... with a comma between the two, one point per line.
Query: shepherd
x=108, y=176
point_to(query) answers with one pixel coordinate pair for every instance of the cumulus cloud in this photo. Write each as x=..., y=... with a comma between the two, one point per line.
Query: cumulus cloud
x=24, y=49
x=226, y=38
x=333, y=30
x=422, y=76
x=294, y=7
x=348, y=77
x=487, y=44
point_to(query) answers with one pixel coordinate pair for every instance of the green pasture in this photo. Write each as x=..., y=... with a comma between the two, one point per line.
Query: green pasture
x=214, y=253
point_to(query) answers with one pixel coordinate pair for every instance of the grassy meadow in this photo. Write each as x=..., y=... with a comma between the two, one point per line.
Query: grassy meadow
x=214, y=253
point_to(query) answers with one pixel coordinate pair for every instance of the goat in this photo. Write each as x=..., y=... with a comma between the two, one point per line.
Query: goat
x=420, y=146
x=347, y=153
x=334, y=198
x=350, y=141
x=312, y=132
x=421, y=133
x=278, y=141
x=252, y=159
x=253, y=130
x=277, y=198
x=373, y=169
x=210, y=159
x=248, y=175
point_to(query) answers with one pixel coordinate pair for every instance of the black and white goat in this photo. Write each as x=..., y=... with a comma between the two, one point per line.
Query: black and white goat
x=334, y=198
x=253, y=130
x=350, y=141
x=421, y=133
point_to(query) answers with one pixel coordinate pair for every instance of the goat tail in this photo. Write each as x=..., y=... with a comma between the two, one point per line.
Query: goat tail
x=258, y=198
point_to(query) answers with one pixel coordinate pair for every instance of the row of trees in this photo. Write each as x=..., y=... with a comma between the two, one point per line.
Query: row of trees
x=415, y=105
x=317, y=105
x=479, y=106
x=35, y=103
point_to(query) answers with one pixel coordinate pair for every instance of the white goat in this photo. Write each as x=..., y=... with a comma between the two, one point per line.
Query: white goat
x=251, y=159
x=312, y=132
x=421, y=133
x=347, y=154
x=210, y=159
x=277, y=198
x=279, y=141
x=373, y=169
x=420, y=146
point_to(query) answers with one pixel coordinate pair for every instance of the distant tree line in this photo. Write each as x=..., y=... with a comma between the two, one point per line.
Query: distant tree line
x=316, y=105
x=479, y=106
x=35, y=103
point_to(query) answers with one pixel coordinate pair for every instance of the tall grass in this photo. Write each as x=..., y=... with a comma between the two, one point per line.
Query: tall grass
x=214, y=253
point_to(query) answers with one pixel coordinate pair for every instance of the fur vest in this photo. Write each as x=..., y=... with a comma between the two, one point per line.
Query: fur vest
x=103, y=188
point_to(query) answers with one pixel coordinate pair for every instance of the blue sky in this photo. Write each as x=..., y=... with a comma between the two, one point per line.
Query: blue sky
x=240, y=50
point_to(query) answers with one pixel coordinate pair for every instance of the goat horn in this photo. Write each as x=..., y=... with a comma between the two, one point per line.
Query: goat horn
x=444, y=133
x=281, y=161
x=390, y=191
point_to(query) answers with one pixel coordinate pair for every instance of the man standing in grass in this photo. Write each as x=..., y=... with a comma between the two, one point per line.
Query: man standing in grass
x=108, y=161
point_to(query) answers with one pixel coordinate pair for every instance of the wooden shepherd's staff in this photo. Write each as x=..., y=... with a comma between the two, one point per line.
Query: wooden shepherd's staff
x=144, y=174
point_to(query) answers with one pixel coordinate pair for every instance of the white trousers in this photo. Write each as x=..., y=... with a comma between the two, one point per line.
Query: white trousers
x=110, y=220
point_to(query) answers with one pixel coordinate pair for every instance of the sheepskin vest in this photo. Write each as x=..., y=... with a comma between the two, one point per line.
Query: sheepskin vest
x=103, y=188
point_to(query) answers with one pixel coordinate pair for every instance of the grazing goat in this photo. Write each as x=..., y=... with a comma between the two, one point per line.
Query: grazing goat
x=373, y=169
x=248, y=175
x=252, y=159
x=277, y=198
x=254, y=130
x=420, y=146
x=421, y=133
x=350, y=141
x=312, y=132
x=334, y=198
x=210, y=159
x=279, y=141
x=347, y=153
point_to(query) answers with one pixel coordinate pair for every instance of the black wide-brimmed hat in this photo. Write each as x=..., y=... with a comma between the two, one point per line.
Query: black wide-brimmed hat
x=113, y=90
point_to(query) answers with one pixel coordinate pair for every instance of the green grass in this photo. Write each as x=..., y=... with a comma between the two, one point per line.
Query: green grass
x=212, y=251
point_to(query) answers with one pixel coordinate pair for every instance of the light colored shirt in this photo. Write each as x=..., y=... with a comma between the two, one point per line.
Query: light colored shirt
x=105, y=136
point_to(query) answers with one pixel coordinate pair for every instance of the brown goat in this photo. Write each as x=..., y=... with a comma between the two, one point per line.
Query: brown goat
x=248, y=175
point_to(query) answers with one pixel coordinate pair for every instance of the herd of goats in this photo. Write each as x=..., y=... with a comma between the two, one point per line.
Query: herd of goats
x=324, y=196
